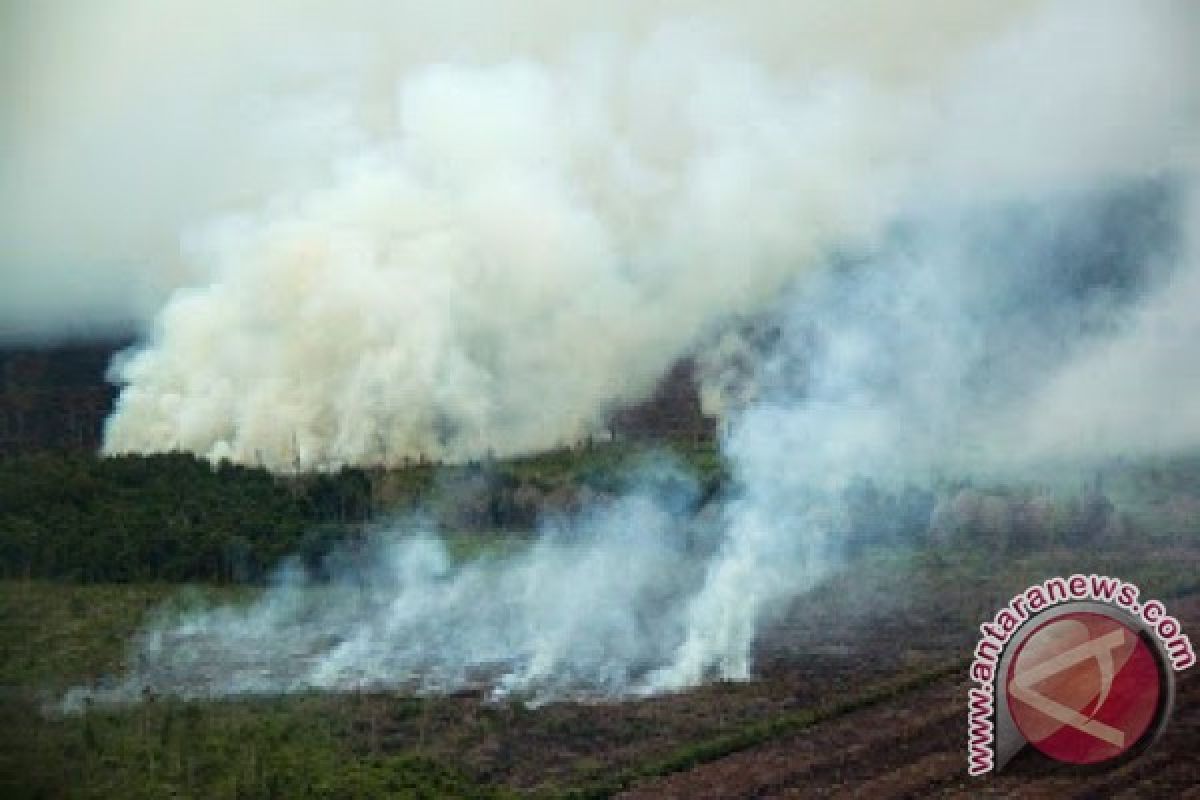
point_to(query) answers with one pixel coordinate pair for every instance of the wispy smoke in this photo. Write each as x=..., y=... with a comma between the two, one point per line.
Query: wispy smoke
x=1130, y=392
x=590, y=607
x=949, y=264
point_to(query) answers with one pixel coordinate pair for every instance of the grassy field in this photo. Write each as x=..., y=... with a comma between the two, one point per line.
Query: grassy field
x=53, y=636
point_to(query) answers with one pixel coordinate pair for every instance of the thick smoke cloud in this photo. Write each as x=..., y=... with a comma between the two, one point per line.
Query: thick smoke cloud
x=509, y=250
x=513, y=214
x=533, y=248
x=936, y=270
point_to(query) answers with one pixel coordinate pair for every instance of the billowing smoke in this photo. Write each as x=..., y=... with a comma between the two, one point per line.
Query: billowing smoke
x=983, y=255
x=513, y=249
x=534, y=247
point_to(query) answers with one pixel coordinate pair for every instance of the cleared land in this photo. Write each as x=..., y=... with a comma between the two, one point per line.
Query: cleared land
x=852, y=698
x=860, y=689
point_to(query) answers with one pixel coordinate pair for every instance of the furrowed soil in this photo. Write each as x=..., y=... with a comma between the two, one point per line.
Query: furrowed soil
x=914, y=746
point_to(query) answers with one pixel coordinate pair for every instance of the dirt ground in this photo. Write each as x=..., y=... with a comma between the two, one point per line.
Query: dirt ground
x=914, y=746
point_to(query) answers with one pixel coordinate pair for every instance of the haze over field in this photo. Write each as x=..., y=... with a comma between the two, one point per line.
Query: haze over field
x=360, y=234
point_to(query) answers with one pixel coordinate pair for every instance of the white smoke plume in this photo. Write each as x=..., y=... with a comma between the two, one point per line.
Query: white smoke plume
x=954, y=251
x=503, y=218
x=534, y=248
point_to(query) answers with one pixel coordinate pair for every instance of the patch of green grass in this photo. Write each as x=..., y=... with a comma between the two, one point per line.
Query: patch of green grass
x=53, y=635
x=464, y=546
x=607, y=464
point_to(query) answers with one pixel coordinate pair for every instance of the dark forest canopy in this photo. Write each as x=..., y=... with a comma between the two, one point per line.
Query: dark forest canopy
x=174, y=517
x=169, y=517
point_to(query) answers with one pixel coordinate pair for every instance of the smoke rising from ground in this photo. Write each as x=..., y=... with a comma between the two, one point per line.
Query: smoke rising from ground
x=985, y=256
x=589, y=607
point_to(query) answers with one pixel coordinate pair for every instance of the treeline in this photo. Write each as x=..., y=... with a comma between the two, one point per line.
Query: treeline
x=166, y=517
x=173, y=517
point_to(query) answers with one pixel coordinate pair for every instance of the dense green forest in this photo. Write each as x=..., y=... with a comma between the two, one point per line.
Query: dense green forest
x=165, y=518
x=176, y=518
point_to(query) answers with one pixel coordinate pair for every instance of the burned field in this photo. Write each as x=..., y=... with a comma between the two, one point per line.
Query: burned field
x=859, y=687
